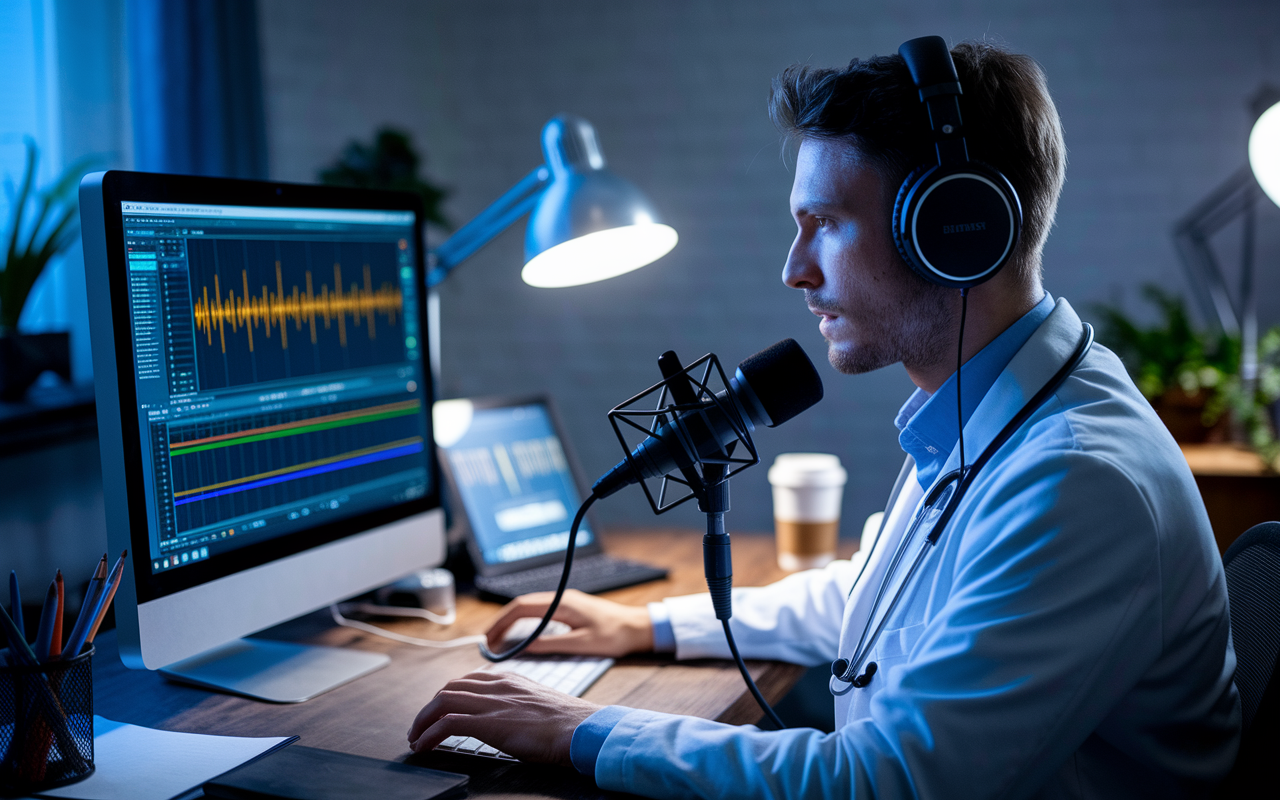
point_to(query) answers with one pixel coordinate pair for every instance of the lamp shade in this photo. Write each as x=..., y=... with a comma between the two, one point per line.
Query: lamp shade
x=1264, y=152
x=589, y=224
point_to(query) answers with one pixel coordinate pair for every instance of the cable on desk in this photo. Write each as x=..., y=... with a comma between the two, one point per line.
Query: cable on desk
x=512, y=652
x=401, y=611
x=383, y=632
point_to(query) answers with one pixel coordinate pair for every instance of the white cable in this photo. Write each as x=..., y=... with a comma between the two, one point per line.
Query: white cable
x=461, y=641
x=403, y=611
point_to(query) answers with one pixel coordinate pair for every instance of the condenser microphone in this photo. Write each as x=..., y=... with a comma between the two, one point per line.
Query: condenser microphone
x=767, y=389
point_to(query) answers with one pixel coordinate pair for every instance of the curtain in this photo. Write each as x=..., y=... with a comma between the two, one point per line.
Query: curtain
x=196, y=87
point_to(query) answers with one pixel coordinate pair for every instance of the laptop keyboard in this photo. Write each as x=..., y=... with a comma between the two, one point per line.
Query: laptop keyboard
x=572, y=675
x=591, y=573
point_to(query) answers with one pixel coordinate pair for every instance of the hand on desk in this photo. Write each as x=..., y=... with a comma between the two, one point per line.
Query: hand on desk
x=516, y=715
x=600, y=627
x=510, y=712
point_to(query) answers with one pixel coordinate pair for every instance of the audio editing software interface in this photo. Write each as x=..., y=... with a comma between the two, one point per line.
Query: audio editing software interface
x=279, y=368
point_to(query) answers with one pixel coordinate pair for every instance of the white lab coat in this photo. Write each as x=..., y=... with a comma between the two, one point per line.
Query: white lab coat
x=1067, y=637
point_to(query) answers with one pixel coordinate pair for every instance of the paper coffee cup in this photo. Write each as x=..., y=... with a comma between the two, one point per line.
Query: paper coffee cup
x=807, y=489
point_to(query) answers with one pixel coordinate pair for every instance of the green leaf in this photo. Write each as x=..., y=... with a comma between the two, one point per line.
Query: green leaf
x=32, y=244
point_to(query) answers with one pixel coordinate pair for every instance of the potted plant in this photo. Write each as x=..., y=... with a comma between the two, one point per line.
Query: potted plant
x=1192, y=378
x=391, y=162
x=30, y=241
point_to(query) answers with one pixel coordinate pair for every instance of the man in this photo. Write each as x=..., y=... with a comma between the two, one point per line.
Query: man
x=1067, y=636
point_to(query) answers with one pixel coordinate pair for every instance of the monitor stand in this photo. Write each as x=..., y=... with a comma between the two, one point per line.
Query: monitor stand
x=278, y=672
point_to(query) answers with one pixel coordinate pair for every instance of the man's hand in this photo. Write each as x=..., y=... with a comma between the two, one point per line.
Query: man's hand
x=510, y=712
x=600, y=627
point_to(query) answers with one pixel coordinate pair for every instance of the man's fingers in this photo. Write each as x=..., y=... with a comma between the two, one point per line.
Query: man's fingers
x=576, y=641
x=466, y=695
x=443, y=728
x=533, y=605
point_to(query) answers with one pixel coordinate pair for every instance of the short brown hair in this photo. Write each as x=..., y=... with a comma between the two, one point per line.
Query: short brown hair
x=1010, y=124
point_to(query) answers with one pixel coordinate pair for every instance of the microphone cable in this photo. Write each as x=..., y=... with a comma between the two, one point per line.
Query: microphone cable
x=751, y=684
x=512, y=652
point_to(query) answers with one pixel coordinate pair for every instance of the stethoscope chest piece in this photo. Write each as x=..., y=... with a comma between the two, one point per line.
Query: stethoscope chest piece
x=840, y=667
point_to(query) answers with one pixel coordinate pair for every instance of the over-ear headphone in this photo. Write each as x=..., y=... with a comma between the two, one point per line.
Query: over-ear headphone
x=956, y=221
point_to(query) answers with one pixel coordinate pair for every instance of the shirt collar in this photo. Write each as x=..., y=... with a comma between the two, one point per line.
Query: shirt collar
x=927, y=425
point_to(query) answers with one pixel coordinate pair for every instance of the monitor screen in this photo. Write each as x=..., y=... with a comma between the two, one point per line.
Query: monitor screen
x=510, y=468
x=280, y=377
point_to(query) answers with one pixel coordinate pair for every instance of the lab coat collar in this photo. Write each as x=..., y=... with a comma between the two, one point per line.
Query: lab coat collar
x=1034, y=365
x=927, y=423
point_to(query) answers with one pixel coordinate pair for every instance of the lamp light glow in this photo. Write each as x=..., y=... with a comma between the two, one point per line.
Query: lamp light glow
x=600, y=255
x=586, y=224
x=1264, y=152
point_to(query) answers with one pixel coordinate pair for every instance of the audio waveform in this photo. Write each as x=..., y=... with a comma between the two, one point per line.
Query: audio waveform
x=277, y=309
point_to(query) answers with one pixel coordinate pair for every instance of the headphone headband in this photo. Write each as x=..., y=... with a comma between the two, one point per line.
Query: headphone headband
x=956, y=221
x=934, y=74
x=932, y=69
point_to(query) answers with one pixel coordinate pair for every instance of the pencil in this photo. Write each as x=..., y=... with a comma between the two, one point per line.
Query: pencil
x=15, y=603
x=109, y=593
x=44, y=634
x=55, y=645
x=87, y=608
x=18, y=646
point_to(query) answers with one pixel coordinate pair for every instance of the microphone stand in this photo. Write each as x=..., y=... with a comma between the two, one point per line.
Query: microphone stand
x=710, y=486
x=717, y=565
x=717, y=562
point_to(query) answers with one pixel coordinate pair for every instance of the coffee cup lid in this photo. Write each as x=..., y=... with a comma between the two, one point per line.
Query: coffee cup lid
x=807, y=469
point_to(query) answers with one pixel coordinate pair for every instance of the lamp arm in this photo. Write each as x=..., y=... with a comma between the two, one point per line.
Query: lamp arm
x=1234, y=198
x=501, y=213
x=1205, y=274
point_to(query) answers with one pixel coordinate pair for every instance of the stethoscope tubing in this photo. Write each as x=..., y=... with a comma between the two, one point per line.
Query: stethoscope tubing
x=938, y=494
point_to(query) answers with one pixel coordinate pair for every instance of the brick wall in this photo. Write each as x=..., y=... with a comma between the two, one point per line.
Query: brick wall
x=1151, y=94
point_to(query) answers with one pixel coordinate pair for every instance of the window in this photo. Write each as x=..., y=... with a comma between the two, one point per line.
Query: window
x=64, y=87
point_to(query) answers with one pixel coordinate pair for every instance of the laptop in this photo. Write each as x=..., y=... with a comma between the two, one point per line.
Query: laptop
x=507, y=462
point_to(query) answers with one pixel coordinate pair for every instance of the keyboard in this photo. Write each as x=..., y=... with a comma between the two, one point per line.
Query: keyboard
x=572, y=675
x=591, y=573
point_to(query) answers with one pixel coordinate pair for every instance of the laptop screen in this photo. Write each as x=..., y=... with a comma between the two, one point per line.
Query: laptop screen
x=509, y=466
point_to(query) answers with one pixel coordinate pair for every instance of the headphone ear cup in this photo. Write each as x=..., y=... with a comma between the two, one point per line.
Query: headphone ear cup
x=900, y=240
x=956, y=226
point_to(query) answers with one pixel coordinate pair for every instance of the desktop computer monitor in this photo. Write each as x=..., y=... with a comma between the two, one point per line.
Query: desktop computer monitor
x=263, y=400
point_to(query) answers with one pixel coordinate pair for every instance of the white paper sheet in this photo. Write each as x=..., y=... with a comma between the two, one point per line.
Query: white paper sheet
x=134, y=763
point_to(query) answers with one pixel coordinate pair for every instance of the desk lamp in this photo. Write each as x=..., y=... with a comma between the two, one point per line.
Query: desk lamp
x=586, y=225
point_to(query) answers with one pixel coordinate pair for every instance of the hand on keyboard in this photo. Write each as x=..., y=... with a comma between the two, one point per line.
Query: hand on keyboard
x=510, y=713
x=599, y=627
x=572, y=675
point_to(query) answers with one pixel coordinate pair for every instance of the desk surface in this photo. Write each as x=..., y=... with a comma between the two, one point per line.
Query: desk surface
x=371, y=716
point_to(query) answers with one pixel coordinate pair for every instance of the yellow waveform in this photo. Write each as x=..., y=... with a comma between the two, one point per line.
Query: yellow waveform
x=277, y=309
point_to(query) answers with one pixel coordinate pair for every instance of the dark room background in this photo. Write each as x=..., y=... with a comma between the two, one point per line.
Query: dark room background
x=1153, y=98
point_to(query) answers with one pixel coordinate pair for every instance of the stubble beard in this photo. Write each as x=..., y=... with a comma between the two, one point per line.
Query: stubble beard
x=918, y=332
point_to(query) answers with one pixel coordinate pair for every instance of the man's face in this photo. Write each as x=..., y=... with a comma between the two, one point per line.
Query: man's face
x=875, y=311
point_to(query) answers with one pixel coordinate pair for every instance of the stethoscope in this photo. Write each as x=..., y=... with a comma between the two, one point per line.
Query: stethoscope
x=936, y=511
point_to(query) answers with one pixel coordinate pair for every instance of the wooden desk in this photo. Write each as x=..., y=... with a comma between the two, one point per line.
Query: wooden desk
x=1238, y=488
x=371, y=716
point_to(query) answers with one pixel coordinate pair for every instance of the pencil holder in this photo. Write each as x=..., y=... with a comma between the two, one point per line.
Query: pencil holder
x=46, y=724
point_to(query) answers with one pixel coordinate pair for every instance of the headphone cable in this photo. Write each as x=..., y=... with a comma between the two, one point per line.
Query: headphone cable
x=964, y=308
